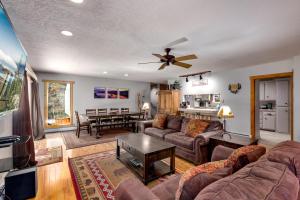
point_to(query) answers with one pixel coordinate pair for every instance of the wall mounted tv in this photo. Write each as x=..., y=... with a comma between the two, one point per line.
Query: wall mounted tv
x=12, y=64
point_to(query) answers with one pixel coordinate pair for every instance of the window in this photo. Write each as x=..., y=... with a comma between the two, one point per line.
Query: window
x=58, y=103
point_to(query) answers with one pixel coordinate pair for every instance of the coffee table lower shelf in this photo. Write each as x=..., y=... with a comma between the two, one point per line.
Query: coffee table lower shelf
x=157, y=169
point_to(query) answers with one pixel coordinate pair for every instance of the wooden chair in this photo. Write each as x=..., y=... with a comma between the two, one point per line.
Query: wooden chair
x=102, y=111
x=114, y=111
x=104, y=120
x=82, y=125
x=91, y=112
x=124, y=110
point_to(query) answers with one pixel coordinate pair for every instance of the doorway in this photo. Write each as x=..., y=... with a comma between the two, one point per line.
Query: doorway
x=272, y=106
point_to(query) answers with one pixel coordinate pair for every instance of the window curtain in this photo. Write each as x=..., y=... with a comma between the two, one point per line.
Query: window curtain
x=22, y=127
x=36, y=114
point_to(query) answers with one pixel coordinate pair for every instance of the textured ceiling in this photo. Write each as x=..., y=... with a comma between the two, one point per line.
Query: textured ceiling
x=115, y=35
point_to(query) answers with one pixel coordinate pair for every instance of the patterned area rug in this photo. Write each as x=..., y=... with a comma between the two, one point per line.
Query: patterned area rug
x=96, y=176
x=72, y=141
x=48, y=155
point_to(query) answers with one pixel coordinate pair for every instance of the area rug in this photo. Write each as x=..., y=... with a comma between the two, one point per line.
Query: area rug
x=96, y=176
x=72, y=141
x=48, y=155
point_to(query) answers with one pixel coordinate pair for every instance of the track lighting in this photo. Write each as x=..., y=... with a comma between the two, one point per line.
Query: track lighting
x=186, y=79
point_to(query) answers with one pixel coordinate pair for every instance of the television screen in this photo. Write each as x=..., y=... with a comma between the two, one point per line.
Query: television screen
x=12, y=64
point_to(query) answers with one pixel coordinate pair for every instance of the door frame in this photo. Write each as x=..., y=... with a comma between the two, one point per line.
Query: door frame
x=253, y=94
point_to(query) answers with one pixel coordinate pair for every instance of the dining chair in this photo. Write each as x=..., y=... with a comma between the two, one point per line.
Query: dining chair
x=124, y=110
x=104, y=120
x=102, y=111
x=91, y=112
x=114, y=111
x=86, y=125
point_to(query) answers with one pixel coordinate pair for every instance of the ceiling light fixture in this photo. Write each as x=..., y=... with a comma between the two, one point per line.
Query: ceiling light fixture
x=67, y=33
x=126, y=75
x=77, y=1
x=104, y=72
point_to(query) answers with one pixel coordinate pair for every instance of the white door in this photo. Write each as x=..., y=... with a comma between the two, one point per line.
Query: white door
x=282, y=93
x=270, y=90
x=262, y=90
x=282, y=119
x=269, y=121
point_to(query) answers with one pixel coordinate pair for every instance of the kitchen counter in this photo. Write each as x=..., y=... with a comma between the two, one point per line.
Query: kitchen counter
x=201, y=111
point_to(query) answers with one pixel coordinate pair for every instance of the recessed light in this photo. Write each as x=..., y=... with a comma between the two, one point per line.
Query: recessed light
x=67, y=33
x=104, y=72
x=77, y=1
x=125, y=74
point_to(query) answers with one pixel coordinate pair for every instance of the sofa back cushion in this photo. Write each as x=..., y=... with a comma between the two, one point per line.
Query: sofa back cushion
x=262, y=180
x=174, y=122
x=197, y=178
x=195, y=127
x=184, y=124
x=287, y=153
x=160, y=121
x=242, y=156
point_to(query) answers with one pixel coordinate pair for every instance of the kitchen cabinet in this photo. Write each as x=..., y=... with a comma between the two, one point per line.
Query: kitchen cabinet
x=282, y=119
x=270, y=90
x=262, y=90
x=269, y=121
x=261, y=119
x=282, y=92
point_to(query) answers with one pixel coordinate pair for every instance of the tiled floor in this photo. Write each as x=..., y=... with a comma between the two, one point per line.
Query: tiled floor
x=269, y=138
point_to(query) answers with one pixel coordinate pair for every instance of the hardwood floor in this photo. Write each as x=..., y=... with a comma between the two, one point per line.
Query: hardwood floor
x=54, y=180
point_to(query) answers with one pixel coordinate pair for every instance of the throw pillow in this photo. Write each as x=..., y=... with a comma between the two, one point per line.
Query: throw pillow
x=184, y=123
x=174, y=122
x=160, y=121
x=197, y=178
x=245, y=155
x=195, y=127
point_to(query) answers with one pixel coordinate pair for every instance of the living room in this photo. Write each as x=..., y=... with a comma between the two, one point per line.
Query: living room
x=132, y=100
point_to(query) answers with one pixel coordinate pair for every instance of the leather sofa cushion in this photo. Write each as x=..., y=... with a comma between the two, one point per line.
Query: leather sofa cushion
x=160, y=121
x=180, y=139
x=287, y=153
x=167, y=189
x=260, y=180
x=197, y=178
x=158, y=133
x=184, y=123
x=174, y=122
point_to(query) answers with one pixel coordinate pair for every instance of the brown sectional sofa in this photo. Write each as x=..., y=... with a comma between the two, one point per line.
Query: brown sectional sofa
x=275, y=176
x=189, y=148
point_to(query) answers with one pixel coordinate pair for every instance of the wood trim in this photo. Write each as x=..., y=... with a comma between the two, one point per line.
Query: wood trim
x=253, y=95
x=46, y=82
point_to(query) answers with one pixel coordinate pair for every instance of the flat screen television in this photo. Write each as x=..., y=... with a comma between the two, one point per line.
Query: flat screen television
x=12, y=65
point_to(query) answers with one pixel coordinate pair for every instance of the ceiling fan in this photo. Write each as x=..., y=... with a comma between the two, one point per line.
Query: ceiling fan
x=168, y=58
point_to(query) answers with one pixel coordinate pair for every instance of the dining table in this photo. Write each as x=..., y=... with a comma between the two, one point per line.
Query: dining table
x=128, y=118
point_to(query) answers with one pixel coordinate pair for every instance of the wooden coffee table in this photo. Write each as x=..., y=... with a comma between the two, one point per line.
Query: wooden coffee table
x=143, y=155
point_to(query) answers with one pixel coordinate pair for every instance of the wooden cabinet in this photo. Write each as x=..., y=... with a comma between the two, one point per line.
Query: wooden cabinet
x=282, y=119
x=282, y=94
x=269, y=120
x=262, y=91
x=270, y=90
x=168, y=101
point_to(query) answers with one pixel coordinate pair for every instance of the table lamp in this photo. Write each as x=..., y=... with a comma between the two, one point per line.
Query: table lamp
x=225, y=113
x=146, y=108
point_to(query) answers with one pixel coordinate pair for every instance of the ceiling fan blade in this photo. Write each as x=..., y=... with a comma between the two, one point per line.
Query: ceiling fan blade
x=147, y=63
x=181, y=64
x=163, y=66
x=160, y=56
x=180, y=40
x=188, y=57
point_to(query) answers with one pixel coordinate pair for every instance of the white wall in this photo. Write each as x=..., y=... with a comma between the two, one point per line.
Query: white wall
x=84, y=91
x=240, y=103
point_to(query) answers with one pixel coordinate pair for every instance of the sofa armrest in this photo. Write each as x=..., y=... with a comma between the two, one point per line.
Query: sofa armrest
x=142, y=125
x=203, y=138
x=133, y=189
x=221, y=152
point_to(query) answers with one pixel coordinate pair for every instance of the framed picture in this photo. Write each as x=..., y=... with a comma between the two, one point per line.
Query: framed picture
x=123, y=93
x=112, y=93
x=99, y=93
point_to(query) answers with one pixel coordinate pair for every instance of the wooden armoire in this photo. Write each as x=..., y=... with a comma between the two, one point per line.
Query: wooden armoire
x=168, y=101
